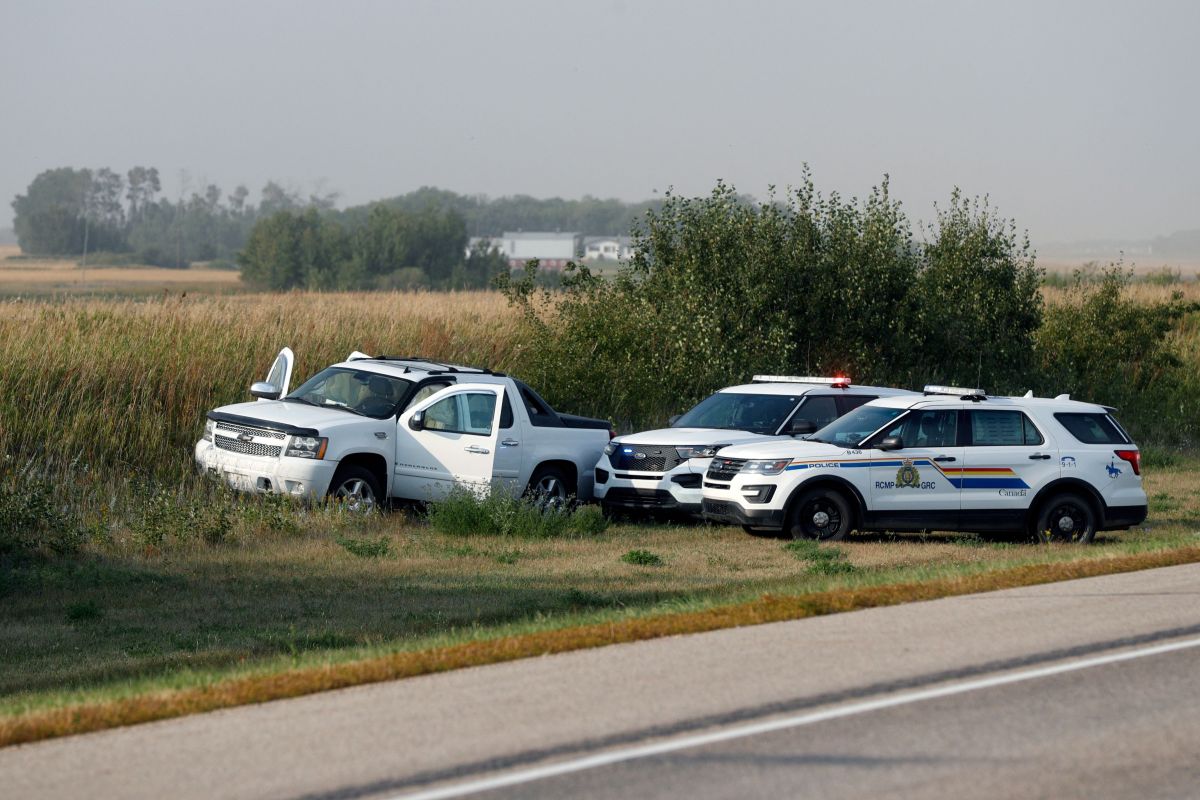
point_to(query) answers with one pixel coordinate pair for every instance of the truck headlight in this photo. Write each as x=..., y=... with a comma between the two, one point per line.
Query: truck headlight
x=307, y=447
x=766, y=466
x=698, y=450
x=210, y=428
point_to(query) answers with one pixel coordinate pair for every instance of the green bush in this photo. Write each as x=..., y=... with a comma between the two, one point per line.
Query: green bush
x=33, y=522
x=821, y=560
x=642, y=558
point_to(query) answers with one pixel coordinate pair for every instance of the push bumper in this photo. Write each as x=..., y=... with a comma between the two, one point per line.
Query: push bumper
x=290, y=476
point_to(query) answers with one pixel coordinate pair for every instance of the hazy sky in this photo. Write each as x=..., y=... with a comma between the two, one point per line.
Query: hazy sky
x=1079, y=119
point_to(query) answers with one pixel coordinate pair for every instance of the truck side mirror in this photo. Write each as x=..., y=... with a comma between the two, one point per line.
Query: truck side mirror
x=892, y=443
x=417, y=421
x=264, y=390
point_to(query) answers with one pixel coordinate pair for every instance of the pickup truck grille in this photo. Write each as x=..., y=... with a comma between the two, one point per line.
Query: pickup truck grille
x=247, y=448
x=230, y=429
x=723, y=469
x=645, y=457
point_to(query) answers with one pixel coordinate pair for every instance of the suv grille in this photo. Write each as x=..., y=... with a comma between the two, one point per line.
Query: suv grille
x=247, y=448
x=717, y=509
x=645, y=457
x=723, y=469
x=262, y=433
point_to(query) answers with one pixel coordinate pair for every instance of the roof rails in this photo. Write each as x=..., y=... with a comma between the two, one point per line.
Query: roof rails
x=962, y=393
x=437, y=367
x=840, y=382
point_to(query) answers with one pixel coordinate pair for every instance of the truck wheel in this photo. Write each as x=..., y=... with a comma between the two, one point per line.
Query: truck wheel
x=355, y=489
x=820, y=514
x=548, y=487
x=1066, y=518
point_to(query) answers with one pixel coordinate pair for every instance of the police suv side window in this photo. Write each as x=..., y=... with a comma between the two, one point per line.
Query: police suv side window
x=928, y=428
x=848, y=402
x=1003, y=429
x=819, y=409
x=1093, y=428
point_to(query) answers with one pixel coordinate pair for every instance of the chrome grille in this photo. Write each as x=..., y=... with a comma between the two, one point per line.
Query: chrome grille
x=645, y=457
x=723, y=469
x=247, y=448
x=262, y=433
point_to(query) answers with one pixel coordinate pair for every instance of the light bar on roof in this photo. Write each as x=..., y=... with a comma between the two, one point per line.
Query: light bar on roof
x=839, y=382
x=955, y=390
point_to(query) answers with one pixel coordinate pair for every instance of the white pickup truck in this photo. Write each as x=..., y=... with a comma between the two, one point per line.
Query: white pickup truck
x=372, y=428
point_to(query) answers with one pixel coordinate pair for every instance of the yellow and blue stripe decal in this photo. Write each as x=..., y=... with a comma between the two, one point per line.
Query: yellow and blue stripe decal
x=958, y=477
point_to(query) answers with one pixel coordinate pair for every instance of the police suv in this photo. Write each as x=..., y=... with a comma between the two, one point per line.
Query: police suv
x=661, y=470
x=953, y=459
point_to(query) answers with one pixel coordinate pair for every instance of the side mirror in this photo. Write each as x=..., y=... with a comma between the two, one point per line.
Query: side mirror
x=671, y=420
x=802, y=427
x=892, y=443
x=417, y=421
x=264, y=390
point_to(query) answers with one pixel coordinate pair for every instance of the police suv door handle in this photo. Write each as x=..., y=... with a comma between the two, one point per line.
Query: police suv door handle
x=945, y=458
x=509, y=443
x=477, y=449
x=1040, y=457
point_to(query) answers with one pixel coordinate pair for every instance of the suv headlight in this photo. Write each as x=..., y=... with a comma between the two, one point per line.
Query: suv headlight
x=307, y=447
x=698, y=450
x=611, y=447
x=210, y=428
x=766, y=466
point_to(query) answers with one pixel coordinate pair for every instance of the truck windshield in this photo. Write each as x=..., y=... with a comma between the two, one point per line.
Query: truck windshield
x=756, y=413
x=359, y=391
x=850, y=430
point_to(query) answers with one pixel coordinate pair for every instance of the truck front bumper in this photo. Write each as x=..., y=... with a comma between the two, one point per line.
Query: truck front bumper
x=291, y=476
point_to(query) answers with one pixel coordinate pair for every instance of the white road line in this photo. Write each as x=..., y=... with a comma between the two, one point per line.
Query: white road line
x=754, y=729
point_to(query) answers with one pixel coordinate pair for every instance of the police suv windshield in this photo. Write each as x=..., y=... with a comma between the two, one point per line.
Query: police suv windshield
x=355, y=390
x=755, y=413
x=850, y=430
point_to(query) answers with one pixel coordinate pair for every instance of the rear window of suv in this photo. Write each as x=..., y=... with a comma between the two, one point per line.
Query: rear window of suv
x=1093, y=428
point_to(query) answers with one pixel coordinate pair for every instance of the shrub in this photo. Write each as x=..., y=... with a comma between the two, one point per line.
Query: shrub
x=497, y=513
x=32, y=520
x=821, y=560
x=642, y=558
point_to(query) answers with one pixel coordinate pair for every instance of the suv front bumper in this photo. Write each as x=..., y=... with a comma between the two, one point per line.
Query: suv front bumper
x=677, y=491
x=291, y=476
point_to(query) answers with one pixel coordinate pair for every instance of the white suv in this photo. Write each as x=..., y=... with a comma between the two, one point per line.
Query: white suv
x=954, y=459
x=662, y=470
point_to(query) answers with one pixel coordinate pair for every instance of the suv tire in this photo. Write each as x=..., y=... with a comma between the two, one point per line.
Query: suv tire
x=1066, y=517
x=822, y=514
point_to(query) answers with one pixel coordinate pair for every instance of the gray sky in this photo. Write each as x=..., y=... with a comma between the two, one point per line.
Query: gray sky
x=1079, y=119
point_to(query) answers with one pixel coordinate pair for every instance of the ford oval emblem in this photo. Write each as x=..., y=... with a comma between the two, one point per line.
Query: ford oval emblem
x=639, y=456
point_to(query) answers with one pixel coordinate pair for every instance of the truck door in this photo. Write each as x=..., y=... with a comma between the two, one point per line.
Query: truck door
x=510, y=467
x=447, y=440
x=280, y=374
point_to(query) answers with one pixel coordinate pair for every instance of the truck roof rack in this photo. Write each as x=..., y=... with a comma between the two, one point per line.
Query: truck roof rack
x=438, y=367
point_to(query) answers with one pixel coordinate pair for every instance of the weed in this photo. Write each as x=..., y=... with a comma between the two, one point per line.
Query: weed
x=366, y=548
x=496, y=512
x=642, y=558
x=589, y=521
x=821, y=560
x=509, y=557
x=32, y=520
x=1161, y=502
x=85, y=611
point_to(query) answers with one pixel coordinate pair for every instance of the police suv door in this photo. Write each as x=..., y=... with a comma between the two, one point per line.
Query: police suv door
x=910, y=488
x=1008, y=459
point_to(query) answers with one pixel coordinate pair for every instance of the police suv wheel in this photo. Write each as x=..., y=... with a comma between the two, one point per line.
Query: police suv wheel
x=820, y=514
x=1066, y=518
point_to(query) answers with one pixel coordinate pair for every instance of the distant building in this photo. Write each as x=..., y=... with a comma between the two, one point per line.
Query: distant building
x=552, y=250
x=607, y=248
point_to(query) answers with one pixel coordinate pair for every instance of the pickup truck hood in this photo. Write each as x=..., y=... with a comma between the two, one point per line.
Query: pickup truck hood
x=789, y=448
x=298, y=415
x=695, y=436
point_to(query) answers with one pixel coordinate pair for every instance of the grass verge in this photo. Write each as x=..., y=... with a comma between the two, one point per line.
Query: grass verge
x=767, y=608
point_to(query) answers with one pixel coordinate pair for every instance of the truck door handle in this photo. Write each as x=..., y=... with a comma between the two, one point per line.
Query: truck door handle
x=945, y=458
x=509, y=443
x=477, y=449
x=1040, y=457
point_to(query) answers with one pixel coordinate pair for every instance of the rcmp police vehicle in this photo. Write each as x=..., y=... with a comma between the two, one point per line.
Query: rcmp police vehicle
x=662, y=470
x=953, y=459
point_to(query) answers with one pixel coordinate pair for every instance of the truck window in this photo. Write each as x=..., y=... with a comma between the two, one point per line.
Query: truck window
x=470, y=412
x=427, y=390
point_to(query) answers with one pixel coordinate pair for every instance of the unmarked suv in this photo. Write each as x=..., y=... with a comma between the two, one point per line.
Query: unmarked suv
x=954, y=459
x=661, y=470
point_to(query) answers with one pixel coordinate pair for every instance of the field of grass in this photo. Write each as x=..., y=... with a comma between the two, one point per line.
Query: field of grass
x=41, y=277
x=297, y=588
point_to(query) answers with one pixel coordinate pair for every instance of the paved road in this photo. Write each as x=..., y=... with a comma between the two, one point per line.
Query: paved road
x=978, y=696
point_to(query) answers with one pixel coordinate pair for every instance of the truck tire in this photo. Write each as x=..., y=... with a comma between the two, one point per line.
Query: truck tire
x=821, y=514
x=355, y=489
x=548, y=487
